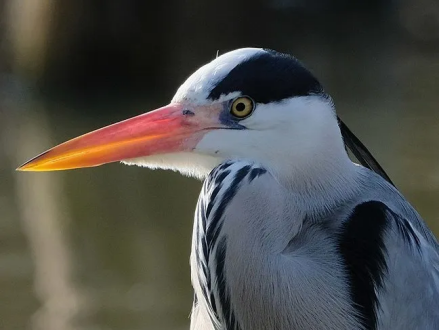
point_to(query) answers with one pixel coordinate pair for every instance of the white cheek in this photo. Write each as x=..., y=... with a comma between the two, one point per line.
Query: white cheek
x=249, y=145
x=217, y=143
x=282, y=134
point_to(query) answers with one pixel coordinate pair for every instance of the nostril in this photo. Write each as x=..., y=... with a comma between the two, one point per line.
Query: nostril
x=188, y=113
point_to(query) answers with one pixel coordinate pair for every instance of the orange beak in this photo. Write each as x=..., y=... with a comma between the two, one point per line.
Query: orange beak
x=173, y=128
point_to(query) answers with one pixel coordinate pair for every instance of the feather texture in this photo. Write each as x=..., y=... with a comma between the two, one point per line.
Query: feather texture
x=366, y=262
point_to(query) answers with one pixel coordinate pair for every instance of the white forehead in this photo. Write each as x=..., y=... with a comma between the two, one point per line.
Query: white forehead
x=197, y=87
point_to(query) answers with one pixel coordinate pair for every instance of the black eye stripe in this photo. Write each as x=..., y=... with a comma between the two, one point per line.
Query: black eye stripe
x=268, y=77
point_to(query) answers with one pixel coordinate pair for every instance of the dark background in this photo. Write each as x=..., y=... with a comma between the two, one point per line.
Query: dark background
x=108, y=248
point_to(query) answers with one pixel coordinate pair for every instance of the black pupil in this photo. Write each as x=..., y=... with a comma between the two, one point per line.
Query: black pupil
x=240, y=107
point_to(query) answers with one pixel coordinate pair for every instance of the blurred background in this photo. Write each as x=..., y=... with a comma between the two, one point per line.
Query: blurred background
x=108, y=248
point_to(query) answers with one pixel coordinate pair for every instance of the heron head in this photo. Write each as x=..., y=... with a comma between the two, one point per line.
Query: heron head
x=251, y=104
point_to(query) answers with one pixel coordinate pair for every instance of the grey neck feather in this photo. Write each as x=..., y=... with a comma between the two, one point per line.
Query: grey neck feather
x=258, y=225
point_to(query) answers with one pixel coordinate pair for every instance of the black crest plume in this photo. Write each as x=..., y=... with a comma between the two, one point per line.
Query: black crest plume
x=360, y=151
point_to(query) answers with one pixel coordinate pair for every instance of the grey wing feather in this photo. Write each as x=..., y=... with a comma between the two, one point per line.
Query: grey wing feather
x=409, y=298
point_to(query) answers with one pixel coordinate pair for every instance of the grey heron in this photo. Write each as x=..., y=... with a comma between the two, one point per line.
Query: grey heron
x=289, y=233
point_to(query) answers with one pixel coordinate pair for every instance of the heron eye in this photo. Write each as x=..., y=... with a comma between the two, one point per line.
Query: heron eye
x=242, y=107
